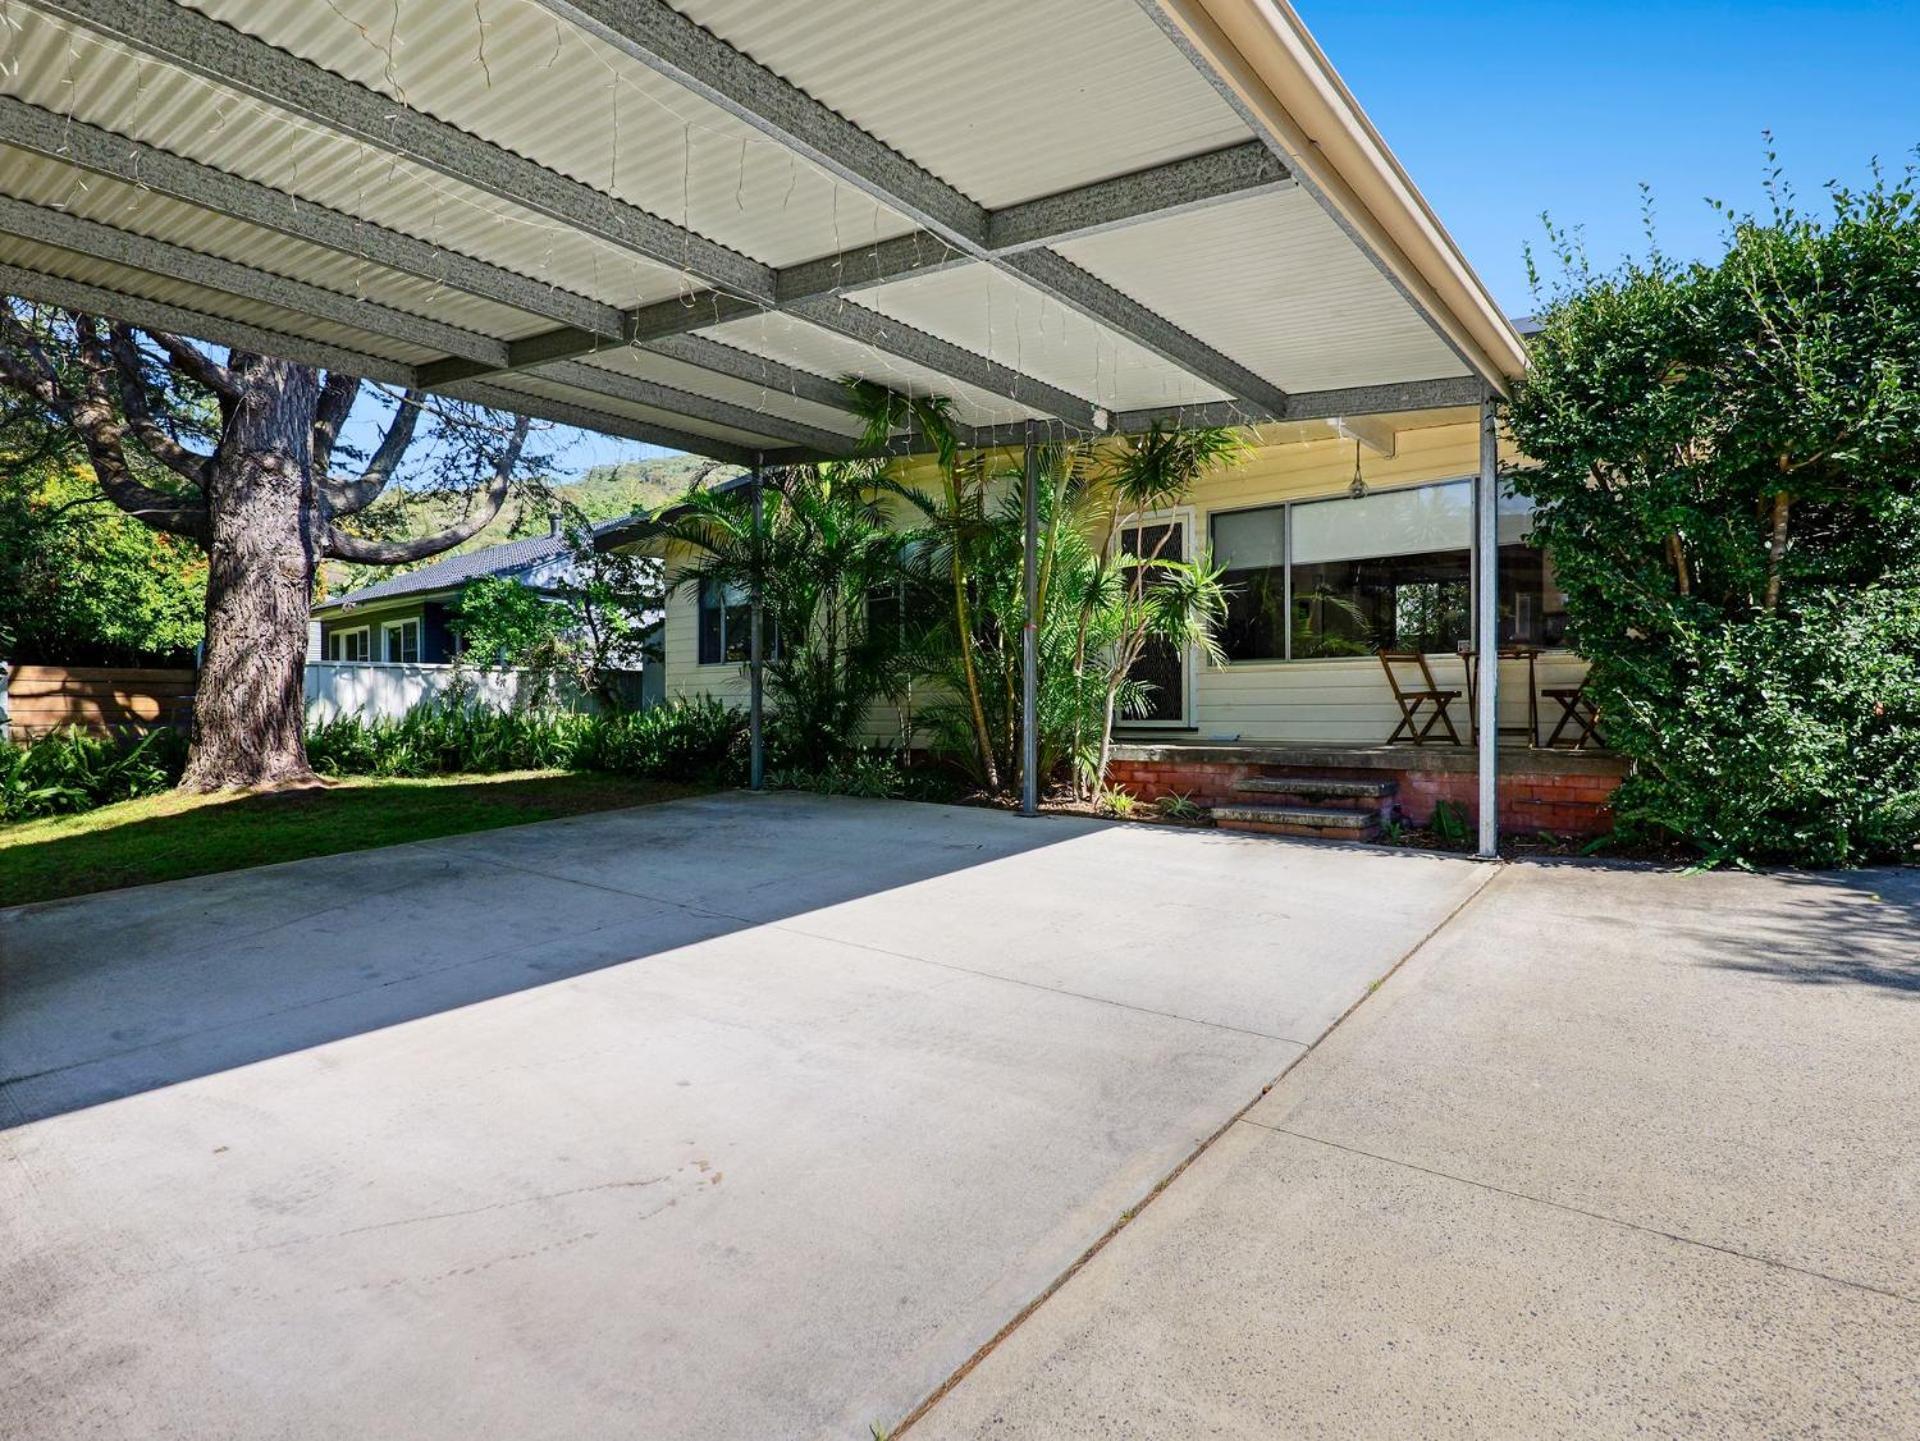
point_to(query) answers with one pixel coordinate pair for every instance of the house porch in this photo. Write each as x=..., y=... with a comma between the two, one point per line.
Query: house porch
x=1567, y=792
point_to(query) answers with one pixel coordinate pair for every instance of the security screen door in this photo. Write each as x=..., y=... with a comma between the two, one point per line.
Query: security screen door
x=1163, y=667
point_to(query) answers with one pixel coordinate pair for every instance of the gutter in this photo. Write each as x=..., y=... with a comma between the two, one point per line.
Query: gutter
x=1265, y=60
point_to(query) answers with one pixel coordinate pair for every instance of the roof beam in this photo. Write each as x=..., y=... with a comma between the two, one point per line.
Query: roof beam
x=1442, y=394
x=73, y=142
x=45, y=289
x=87, y=237
x=1179, y=187
x=1028, y=228
x=596, y=325
x=499, y=397
x=744, y=365
x=196, y=43
x=1176, y=188
x=668, y=43
x=869, y=327
x=637, y=390
x=659, y=37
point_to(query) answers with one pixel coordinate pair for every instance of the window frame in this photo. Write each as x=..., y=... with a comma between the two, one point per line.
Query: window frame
x=336, y=649
x=1287, y=535
x=771, y=639
x=389, y=629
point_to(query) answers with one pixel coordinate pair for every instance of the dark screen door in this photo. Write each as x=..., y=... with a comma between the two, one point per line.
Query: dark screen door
x=1162, y=667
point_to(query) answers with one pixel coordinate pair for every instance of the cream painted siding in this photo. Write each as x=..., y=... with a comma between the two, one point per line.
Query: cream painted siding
x=687, y=679
x=680, y=635
x=1343, y=699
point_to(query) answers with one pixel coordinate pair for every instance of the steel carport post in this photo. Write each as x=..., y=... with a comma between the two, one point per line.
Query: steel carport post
x=1030, y=634
x=758, y=765
x=1486, y=583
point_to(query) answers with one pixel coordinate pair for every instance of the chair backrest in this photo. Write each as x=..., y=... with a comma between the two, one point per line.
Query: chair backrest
x=1400, y=679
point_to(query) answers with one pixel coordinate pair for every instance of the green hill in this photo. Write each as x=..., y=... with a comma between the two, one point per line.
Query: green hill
x=605, y=492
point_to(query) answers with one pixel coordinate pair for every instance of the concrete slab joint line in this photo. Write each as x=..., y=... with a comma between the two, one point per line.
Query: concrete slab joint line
x=1159, y=1188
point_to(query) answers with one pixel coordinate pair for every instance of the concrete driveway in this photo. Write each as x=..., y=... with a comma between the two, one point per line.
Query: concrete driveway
x=739, y=1117
x=1617, y=1154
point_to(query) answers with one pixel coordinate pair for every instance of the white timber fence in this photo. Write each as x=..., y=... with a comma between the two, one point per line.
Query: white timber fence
x=376, y=690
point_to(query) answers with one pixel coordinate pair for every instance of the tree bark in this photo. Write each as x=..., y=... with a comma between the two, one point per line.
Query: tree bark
x=249, y=708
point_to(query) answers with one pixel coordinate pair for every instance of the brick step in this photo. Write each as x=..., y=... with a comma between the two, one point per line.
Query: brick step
x=1330, y=786
x=1322, y=822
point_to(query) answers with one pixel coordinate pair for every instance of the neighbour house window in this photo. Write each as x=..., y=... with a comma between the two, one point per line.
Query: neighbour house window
x=1388, y=571
x=726, y=626
x=403, y=642
x=350, y=645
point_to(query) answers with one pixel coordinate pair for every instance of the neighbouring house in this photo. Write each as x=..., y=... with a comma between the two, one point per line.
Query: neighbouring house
x=1340, y=538
x=407, y=619
x=386, y=647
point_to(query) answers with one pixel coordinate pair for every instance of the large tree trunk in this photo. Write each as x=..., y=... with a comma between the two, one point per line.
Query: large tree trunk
x=249, y=709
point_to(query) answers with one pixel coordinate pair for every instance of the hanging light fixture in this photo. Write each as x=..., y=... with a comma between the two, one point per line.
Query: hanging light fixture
x=1358, y=489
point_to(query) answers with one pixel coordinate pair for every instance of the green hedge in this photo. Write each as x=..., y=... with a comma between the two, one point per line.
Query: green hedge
x=700, y=740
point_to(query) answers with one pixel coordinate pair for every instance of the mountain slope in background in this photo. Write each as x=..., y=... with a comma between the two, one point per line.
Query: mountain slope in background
x=605, y=492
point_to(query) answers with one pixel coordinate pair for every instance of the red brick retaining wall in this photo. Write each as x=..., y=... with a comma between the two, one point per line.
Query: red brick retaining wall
x=1565, y=803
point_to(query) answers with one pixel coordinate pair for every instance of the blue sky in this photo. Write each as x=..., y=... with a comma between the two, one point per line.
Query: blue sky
x=1501, y=109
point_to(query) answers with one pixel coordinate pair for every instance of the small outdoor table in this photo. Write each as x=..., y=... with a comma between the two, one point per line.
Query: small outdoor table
x=1528, y=653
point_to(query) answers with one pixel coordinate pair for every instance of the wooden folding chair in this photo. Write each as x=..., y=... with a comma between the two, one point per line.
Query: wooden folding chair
x=1413, y=699
x=1577, y=709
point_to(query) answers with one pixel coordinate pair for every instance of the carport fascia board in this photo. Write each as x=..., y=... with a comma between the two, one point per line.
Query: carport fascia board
x=1473, y=325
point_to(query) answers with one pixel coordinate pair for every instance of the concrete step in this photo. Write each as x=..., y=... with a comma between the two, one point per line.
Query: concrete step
x=1328, y=786
x=1323, y=822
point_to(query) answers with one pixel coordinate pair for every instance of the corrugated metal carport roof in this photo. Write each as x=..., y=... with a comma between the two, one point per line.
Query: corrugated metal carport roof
x=683, y=223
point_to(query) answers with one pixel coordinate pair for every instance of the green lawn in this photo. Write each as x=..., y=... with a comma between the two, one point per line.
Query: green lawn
x=166, y=837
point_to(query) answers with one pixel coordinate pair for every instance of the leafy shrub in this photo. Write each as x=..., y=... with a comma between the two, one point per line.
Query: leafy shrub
x=1725, y=464
x=72, y=771
x=875, y=775
x=697, y=740
x=684, y=740
x=1792, y=736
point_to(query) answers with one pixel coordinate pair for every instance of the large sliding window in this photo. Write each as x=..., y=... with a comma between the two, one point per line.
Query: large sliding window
x=1388, y=571
x=1251, y=546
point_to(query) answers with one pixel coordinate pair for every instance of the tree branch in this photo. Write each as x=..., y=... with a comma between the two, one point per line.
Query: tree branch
x=1777, y=546
x=25, y=366
x=341, y=546
x=190, y=360
x=130, y=376
x=349, y=497
x=336, y=401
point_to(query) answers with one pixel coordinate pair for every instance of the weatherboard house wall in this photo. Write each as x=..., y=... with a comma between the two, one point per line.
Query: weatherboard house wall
x=1343, y=699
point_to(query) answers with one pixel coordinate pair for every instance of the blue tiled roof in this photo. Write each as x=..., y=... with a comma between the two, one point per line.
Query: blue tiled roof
x=454, y=571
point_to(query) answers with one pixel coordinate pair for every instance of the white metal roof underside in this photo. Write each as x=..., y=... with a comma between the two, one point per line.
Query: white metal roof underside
x=685, y=223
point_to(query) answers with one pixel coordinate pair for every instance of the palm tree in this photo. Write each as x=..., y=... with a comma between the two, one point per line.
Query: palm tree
x=955, y=523
x=823, y=546
x=1147, y=598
